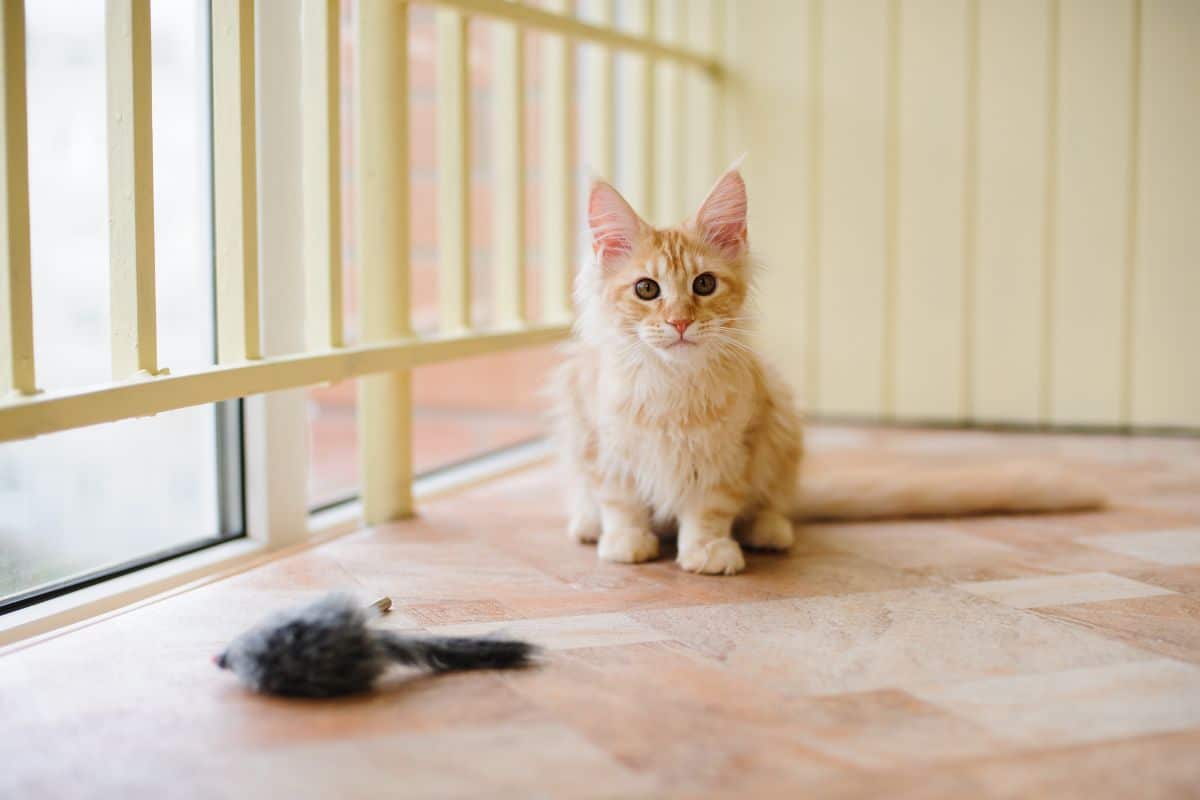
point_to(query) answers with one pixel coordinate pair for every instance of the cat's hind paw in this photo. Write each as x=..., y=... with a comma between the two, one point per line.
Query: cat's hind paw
x=584, y=529
x=628, y=545
x=714, y=557
x=769, y=531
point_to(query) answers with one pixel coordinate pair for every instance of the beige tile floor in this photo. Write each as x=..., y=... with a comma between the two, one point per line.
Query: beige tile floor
x=1038, y=656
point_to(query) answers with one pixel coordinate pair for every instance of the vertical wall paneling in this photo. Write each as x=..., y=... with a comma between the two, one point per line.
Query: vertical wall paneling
x=1092, y=204
x=974, y=210
x=1010, y=212
x=773, y=107
x=1166, y=366
x=930, y=269
x=853, y=281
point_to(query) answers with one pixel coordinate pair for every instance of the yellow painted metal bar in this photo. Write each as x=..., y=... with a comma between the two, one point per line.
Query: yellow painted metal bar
x=599, y=84
x=637, y=130
x=55, y=411
x=130, y=190
x=16, y=292
x=453, y=171
x=384, y=401
x=703, y=109
x=321, y=143
x=558, y=207
x=235, y=198
x=554, y=20
x=669, y=146
x=508, y=155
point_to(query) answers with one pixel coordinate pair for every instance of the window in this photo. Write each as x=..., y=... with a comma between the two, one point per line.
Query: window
x=83, y=503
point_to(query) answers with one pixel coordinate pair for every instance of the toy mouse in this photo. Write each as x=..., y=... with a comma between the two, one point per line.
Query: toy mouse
x=327, y=649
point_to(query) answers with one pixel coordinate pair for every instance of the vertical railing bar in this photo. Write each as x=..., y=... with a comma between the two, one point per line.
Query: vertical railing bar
x=668, y=163
x=453, y=175
x=321, y=143
x=17, y=371
x=558, y=240
x=600, y=102
x=639, y=114
x=235, y=194
x=714, y=47
x=508, y=185
x=133, y=323
x=384, y=401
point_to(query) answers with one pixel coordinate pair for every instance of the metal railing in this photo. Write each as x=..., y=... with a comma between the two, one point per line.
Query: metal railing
x=388, y=348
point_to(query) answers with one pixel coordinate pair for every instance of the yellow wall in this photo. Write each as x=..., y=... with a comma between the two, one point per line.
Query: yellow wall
x=977, y=210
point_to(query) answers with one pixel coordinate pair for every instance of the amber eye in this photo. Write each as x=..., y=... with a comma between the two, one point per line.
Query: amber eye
x=646, y=289
x=704, y=284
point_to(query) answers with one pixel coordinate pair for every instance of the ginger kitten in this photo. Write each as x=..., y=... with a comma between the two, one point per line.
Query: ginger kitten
x=668, y=418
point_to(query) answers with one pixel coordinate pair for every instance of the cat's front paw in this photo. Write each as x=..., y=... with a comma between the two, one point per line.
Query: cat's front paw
x=770, y=531
x=628, y=545
x=714, y=557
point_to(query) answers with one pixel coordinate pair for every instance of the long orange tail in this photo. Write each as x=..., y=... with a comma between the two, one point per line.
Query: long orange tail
x=876, y=492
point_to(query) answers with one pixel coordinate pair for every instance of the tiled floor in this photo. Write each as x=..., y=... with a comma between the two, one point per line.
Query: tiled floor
x=999, y=657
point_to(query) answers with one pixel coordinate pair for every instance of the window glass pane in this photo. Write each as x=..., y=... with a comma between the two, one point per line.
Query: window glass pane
x=83, y=500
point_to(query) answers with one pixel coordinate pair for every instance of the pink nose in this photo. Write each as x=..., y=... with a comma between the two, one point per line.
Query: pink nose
x=681, y=325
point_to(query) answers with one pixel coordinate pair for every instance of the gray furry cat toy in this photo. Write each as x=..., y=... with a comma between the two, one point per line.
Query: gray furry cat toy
x=327, y=649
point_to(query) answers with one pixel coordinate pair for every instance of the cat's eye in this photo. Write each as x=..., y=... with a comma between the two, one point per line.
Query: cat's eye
x=646, y=289
x=705, y=284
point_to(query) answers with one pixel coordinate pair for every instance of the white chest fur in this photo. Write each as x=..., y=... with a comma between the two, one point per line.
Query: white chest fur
x=669, y=440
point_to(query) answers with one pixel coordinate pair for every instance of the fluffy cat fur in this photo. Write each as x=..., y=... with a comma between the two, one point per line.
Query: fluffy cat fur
x=668, y=419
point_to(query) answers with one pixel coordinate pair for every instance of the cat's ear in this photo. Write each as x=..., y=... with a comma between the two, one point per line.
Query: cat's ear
x=614, y=224
x=721, y=220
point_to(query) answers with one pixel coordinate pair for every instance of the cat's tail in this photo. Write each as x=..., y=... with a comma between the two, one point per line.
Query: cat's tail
x=846, y=493
x=452, y=653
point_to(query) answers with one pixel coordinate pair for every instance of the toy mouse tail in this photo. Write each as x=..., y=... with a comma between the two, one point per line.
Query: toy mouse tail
x=452, y=653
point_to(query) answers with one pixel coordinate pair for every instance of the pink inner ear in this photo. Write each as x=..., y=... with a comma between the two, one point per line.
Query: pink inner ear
x=613, y=223
x=722, y=217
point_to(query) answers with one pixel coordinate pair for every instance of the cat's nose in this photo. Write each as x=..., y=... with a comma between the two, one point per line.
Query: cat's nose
x=680, y=325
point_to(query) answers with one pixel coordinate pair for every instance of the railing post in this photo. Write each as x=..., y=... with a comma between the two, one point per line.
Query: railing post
x=508, y=185
x=276, y=423
x=130, y=190
x=384, y=401
x=558, y=136
x=668, y=148
x=600, y=96
x=16, y=293
x=453, y=171
x=705, y=121
x=235, y=192
x=321, y=82
x=638, y=119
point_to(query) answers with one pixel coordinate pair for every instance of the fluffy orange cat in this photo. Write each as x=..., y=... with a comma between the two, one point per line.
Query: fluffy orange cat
x=667, y=418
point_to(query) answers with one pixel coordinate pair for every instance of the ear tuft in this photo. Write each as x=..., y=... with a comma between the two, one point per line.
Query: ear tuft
x=721, y=220
x=614, y=224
